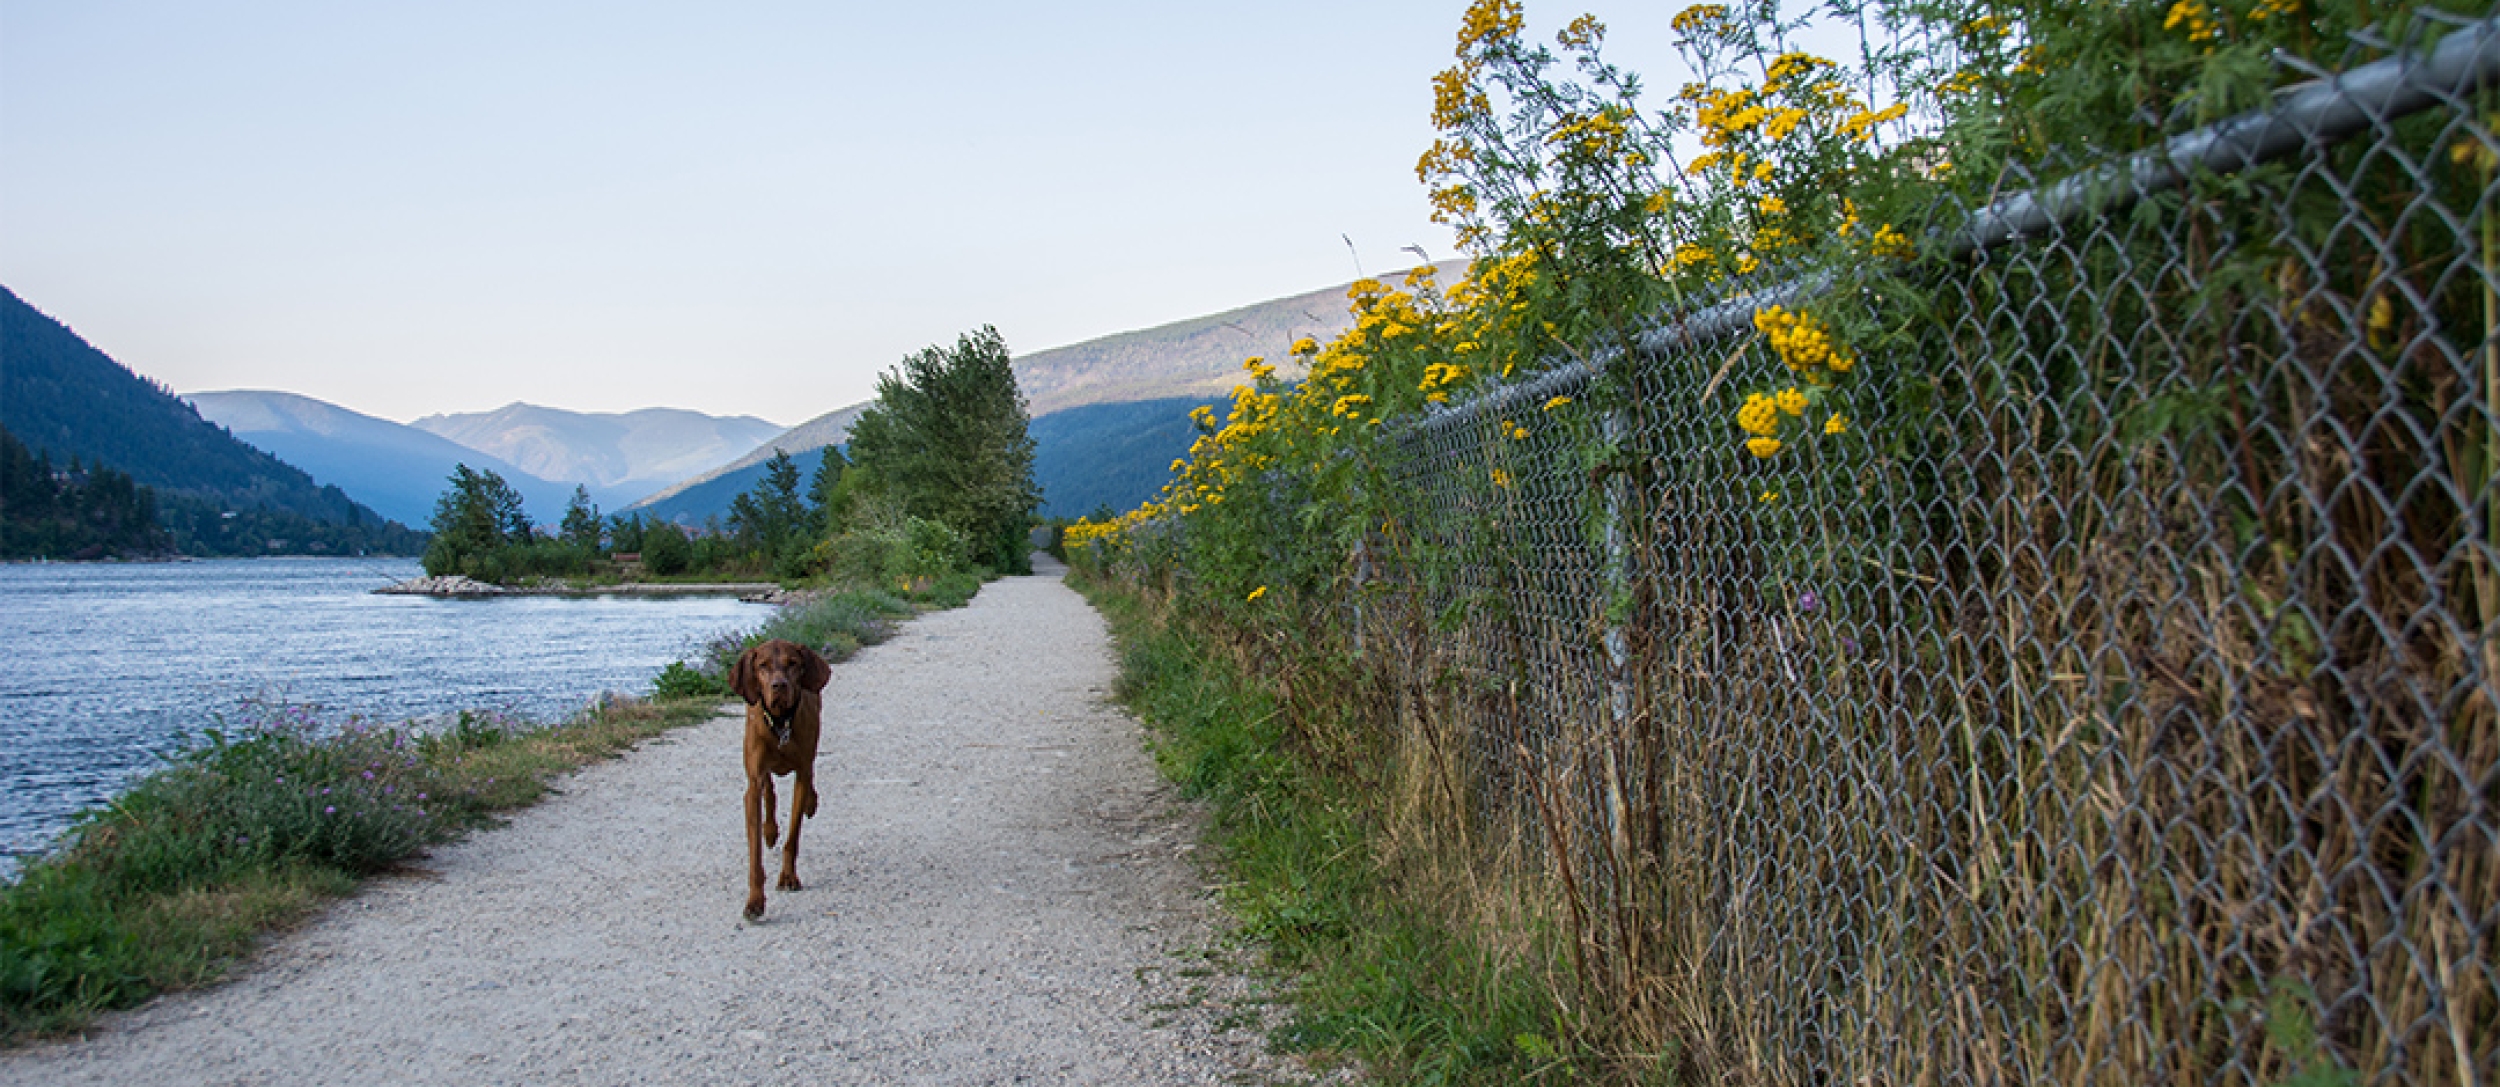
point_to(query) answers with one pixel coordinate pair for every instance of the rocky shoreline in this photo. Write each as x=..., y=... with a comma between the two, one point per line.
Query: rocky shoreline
x=455, y=585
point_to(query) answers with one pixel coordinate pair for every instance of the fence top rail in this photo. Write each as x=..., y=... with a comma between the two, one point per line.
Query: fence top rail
x=2313, y=114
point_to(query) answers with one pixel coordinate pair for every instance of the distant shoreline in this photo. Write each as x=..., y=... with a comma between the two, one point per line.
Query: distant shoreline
x=456, y=586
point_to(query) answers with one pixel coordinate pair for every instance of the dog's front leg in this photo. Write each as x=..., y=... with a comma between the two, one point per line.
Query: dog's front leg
x=755, y=849
x=772, y=818
x=802, y=804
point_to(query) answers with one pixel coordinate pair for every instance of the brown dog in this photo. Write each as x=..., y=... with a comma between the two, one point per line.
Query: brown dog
x=780, y=681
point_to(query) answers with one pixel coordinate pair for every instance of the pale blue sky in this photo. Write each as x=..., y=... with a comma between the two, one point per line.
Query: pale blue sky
x=736, y=208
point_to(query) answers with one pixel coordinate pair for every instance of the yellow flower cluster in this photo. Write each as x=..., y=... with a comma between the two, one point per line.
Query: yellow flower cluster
x=1087, y=532
x=1455, y=99
x=1861, y=126
x=1596, y=133
x=1700, y=19
x=2196, y=17
x=1725, y=115
x=1789, y=66
x=1584, y=33
x=1489, y=21
x=1807, y=347
x=1803, y=343
x=1760, y=416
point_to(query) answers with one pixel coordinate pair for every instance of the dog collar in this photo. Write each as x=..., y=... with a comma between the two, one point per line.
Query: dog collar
x=781, y=726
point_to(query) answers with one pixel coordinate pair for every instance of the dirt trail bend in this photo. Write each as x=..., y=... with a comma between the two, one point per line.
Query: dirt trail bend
x=998, y=891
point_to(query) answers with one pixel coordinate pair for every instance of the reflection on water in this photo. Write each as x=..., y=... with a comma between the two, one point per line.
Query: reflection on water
x=111, y=666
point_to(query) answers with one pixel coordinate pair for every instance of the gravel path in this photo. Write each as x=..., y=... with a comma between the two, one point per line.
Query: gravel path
x=998, y=891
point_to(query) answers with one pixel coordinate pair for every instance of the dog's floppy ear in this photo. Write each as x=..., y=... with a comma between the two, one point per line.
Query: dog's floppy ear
x=742, y=677
x=819, y=673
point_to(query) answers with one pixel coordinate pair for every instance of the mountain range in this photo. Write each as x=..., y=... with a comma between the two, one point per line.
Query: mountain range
x=1108, y=417
x=70, y=402
x=397, y=469
x=1109, y=414
x=636, y=451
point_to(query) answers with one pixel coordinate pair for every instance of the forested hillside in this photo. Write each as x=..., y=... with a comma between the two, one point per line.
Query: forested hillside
x=69, y=512
x=64, y=399
x=1111, y=456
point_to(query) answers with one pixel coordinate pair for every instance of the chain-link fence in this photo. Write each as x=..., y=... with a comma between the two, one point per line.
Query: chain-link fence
x=2112, y=702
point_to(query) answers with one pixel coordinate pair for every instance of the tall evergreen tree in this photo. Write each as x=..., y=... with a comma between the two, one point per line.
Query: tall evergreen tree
x=581, y=520
x=476, y=517
x=820, y=490
x=947, y=438
x=768, y=517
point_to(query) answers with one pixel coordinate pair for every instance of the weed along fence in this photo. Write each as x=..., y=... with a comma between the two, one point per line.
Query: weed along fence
x=2119, y=708
x=2122, y=711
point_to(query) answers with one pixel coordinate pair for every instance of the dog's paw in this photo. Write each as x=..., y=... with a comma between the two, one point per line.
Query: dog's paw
x=772, y=835
x=789, y=882
x=755, y=908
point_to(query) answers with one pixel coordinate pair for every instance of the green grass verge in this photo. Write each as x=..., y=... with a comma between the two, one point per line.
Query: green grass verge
x=1372, y=976
x=168, y=885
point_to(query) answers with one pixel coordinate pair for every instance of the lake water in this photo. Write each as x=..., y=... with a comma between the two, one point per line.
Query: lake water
x=110, y=666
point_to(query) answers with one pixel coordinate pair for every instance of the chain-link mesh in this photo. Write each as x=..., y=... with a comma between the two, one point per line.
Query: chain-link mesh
x=2113, y=703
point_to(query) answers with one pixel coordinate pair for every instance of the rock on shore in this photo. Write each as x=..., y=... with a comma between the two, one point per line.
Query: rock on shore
x=448, y=585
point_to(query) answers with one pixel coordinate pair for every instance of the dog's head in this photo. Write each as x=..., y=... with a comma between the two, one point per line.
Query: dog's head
x=771, y=675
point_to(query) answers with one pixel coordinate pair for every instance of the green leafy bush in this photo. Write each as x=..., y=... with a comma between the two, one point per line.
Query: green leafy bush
x=680, y=681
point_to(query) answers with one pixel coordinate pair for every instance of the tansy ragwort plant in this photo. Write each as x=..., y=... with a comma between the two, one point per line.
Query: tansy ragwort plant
x=1585, y=224
x=1589, y=212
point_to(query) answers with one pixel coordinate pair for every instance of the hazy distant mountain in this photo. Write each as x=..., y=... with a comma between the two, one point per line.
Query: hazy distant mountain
x=702, y=495
x=1200, y=357
x=645, y=450
x=395, y=468
x=65, y=399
